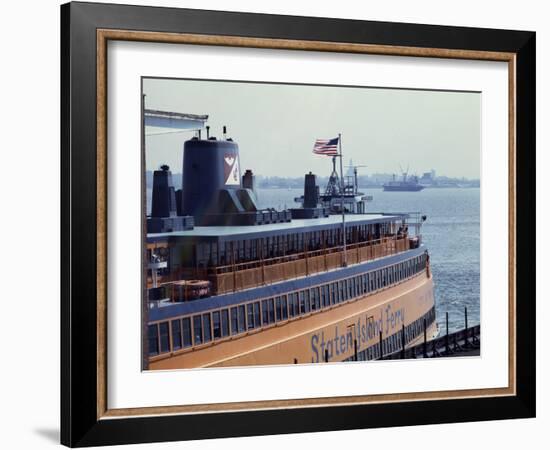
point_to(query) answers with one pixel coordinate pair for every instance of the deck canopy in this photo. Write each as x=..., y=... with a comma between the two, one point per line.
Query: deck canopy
x=157, y=121
x=299, y=226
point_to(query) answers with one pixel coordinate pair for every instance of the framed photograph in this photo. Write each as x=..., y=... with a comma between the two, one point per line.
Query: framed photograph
x=278, y=224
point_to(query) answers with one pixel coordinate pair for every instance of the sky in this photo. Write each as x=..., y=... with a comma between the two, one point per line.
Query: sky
x=276, y=125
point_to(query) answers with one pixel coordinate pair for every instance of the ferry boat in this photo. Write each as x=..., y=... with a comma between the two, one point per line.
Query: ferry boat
x=231, y=284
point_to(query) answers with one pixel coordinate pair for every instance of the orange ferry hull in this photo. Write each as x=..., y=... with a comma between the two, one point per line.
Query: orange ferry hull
x=336, y=334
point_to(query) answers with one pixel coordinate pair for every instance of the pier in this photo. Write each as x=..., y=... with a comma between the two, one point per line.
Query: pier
x=465, y=342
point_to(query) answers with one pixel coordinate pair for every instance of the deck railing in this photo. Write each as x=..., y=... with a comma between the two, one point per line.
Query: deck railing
x=238, y=276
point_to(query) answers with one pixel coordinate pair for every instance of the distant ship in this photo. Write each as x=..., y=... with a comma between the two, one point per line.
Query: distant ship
x=406, y=184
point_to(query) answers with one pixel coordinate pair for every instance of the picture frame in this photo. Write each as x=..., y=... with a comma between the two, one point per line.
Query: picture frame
x=86, y=418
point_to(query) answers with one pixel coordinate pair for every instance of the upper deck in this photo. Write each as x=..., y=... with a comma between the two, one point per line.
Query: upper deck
x=246, y=232
x=233, y=258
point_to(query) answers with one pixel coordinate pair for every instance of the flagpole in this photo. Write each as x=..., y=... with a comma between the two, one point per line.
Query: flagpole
x=344, y=256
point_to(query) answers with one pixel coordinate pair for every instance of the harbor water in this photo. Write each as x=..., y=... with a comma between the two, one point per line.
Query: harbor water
x=451, y=233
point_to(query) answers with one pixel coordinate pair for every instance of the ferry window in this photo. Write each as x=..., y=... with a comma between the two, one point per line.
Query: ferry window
x=302, y=302
x=186, y=326
x=206, y=327
x=310, y=293
x=234, y=322
x=271, y=310
x=278, y=308
x=153, y=340
x=293, y=306
x=242, y=318
x=316, y=304
x=264, y=312
x=216, y=325
x=333, y=293
x=350, y=283
x=197, y=329
x=285, y=309
x=176, y=334
x=225, y=322
x=257, y=315
x=250, y=315
x=164, y=337
x=306, y=300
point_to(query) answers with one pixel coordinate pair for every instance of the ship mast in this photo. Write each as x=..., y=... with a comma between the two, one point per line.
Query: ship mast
x=344, y=256
x=333, y=181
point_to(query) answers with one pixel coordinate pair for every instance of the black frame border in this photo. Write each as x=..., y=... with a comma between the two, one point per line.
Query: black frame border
x=79, y=423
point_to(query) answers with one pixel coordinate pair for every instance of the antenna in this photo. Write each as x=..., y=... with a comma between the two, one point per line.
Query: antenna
x=356, y=185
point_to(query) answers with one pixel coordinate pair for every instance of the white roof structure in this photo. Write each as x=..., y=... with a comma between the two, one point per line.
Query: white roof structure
x=163, y=120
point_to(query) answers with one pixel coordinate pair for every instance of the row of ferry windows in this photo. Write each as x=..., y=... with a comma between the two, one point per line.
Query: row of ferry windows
x=204, y=328
x=246, y=250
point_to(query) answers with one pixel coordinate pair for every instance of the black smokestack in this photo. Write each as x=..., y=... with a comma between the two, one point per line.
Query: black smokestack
x=311, y=191
x=248, y=180
x=164, y=197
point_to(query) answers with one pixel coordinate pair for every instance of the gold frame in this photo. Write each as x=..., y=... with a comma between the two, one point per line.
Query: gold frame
x=104, y=35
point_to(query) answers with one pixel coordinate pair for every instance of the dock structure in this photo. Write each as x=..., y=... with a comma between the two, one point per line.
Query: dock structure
x=465, y=342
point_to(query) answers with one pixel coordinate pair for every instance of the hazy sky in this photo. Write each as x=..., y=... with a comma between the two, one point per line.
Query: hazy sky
x=276, y=125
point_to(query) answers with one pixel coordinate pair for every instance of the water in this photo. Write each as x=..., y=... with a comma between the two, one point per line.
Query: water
x=451, y=233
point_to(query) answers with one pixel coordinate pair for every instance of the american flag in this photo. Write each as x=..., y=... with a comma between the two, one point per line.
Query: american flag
x=328, y=147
